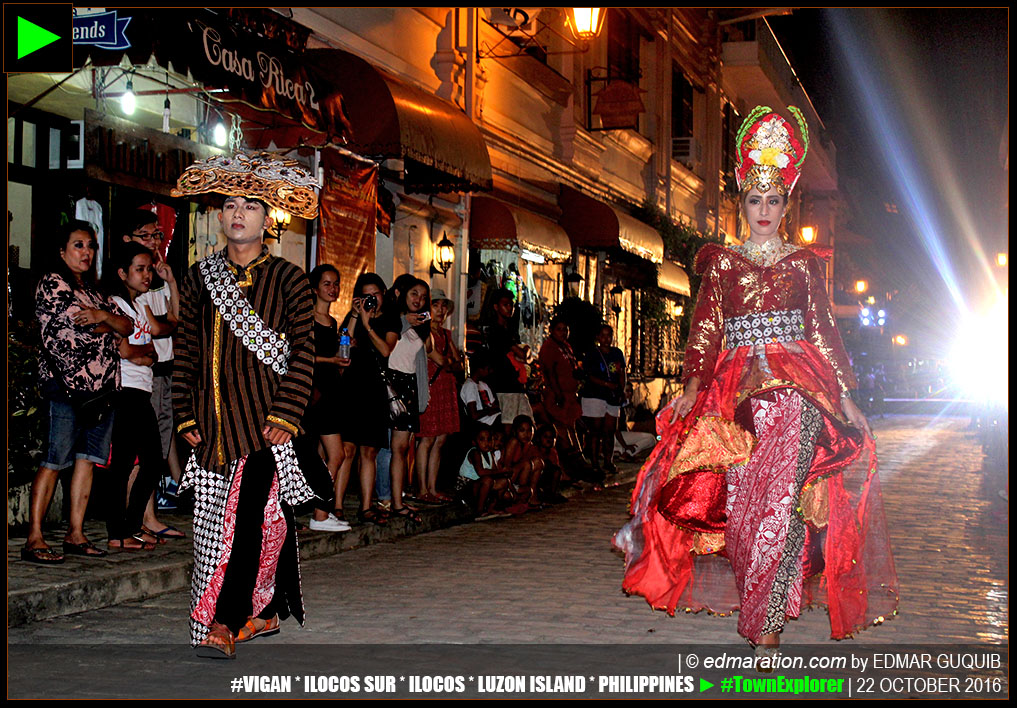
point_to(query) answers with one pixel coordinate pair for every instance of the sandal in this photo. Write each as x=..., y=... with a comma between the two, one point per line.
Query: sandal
x=149, y=537
x=42, y=556
x=408, y=513
x=218, y=644
x=169, y=532
x=120, y=544
x=87, y=548
x=372, y=516
x=249, y=631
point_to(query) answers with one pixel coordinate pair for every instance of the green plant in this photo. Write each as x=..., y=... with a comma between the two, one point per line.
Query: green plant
x=681, y=244
x=28, y=423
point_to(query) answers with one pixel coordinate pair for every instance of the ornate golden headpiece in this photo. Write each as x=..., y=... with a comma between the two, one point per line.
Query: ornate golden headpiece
x=769, y=153
x=274, y=179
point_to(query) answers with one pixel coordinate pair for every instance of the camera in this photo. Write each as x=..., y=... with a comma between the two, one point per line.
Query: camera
x=370, y=303
x=425, y=316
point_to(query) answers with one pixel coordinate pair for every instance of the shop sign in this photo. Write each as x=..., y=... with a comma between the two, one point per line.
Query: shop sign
x=262, y=70
x=221, y=53
x=619, y=105
x=101, y=29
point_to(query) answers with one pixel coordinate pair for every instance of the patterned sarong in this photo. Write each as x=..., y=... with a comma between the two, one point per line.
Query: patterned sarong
x=216, y=497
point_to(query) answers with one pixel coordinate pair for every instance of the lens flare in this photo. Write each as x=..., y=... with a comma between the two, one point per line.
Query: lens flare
x=979, y=360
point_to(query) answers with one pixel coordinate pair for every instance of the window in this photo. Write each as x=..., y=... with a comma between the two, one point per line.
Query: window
x=622, y=46
x=682, y=101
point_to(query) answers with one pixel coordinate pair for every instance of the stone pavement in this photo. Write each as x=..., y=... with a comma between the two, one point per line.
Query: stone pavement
x=36, y=592
x=552, y=576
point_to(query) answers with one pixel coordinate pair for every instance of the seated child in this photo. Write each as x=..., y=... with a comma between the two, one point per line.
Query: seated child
x=524, y=462
x=480, y=401
x=480, y=474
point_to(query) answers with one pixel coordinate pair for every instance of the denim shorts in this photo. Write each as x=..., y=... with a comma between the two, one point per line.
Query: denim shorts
x=68, y=443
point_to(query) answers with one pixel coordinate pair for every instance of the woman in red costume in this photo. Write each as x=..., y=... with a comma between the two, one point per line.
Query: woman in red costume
x=762, y=494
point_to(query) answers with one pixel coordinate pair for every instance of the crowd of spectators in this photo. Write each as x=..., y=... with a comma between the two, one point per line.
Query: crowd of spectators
x=393, y=398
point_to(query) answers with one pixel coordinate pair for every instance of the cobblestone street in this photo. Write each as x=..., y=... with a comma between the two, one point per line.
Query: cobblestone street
x=552, y=577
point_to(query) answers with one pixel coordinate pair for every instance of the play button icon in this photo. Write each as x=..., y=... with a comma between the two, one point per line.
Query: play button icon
x=38, y=38
x=32, y=37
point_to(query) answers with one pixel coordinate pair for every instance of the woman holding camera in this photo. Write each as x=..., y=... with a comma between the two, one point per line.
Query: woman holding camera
x=363, y=415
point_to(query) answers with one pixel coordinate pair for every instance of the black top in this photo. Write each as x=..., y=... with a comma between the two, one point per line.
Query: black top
x=504, y=376
x=326, y=343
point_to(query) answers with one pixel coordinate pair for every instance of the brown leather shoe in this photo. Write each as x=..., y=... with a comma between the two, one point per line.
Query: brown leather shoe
x=249, y=631
x=219, y=644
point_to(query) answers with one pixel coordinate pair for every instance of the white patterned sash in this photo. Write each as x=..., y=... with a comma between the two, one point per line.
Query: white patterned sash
x=269, y=346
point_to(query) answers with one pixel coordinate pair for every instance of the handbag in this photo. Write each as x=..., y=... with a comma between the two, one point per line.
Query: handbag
x=396, y=406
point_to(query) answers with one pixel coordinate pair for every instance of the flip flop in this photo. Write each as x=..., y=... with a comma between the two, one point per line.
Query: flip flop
x=145, y=545
x=42, y=556
x=169, y=533
x=87, y=549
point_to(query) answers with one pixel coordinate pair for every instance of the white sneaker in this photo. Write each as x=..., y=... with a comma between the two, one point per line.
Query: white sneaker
x=332, y=523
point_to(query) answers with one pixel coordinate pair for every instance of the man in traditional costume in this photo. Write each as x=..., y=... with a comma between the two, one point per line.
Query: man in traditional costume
x=762, y=494
x=243, y=362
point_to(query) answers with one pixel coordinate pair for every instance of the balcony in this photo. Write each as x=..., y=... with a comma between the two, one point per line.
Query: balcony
x=759, y=73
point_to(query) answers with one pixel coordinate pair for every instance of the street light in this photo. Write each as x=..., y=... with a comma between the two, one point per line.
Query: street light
x=808, y=234
x=585, y=23
x=861, y=286
x=900, y=340
x=573, y=281
x=1001, y=260
x=280, y=222
x=444, y=256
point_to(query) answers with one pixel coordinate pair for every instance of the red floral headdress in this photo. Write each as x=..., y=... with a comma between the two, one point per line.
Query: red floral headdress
x=769, y=152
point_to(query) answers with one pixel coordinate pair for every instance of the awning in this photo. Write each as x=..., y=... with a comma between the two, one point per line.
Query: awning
x=392, y=119
x=229, y=53
x=591, y=223
x=673, y=278
x=495, y=224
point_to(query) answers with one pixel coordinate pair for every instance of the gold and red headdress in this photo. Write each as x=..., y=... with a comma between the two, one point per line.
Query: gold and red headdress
x=769, y=152
x=276, y=180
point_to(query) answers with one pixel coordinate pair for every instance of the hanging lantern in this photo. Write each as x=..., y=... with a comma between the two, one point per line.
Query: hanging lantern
x=585, y=23
x=573, y=283
x=616, y=299
x=444, y=256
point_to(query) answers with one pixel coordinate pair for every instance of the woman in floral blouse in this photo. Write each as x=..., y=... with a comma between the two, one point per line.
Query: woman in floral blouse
x=78, y=363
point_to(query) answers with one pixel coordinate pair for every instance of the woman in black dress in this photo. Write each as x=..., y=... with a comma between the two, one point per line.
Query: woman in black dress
x=322, y=417
x=363, y=407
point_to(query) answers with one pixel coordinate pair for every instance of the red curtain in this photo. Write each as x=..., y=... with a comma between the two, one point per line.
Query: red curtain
x=349, y=201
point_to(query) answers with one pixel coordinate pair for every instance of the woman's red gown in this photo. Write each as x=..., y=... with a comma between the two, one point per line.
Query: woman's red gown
x=764, y=498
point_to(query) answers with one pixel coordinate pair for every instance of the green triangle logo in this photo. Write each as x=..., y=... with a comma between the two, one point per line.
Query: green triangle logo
x=32, y=37
x=704, y=685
